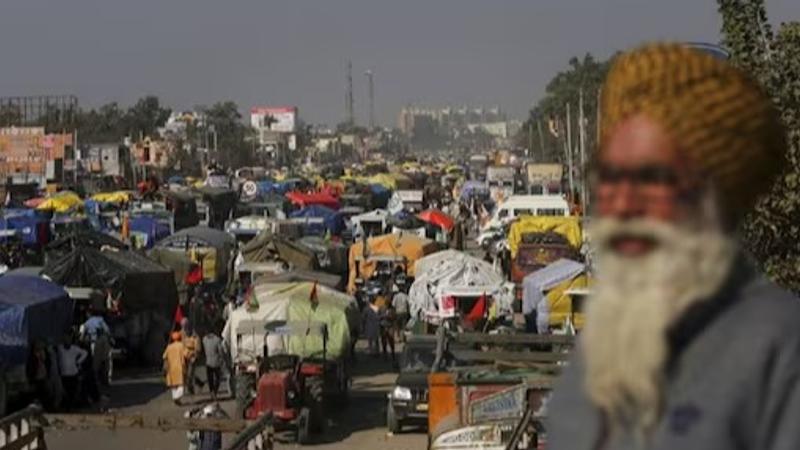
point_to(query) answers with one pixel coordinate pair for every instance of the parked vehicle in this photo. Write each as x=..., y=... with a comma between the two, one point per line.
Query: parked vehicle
x=532, y=205
x=407, y=403
x=545, y=179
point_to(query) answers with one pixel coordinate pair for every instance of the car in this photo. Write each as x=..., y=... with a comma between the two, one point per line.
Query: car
x=408, y=400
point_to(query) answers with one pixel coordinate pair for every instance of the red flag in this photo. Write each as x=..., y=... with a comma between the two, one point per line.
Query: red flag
x=478, y=311
x=314, y=297
x=178, y=315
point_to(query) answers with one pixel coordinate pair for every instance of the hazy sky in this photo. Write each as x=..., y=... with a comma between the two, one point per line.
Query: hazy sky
x=430, y=52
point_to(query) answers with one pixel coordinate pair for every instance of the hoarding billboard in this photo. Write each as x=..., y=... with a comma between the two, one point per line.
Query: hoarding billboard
x=282, y=119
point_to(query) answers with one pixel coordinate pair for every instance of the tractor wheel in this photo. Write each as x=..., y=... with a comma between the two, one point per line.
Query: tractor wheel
x=316, y=403
x=304, y=426
x=392, y=422
x=244, y=386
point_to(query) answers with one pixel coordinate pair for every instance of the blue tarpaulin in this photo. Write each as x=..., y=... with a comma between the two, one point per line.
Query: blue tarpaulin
x=31, y=308
x=31, y=226
x=332, y=221
x=380, y=195
x=152, y=229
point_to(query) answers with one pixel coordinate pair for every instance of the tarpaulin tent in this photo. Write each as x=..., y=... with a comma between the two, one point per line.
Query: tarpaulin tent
x=144, y=284
x=317, y=198
x=544, y=292
x=296, y=275
x=203, y=244
x=113, y=197
x=292, y=302
x=408, y=247
x=451, y=269
x=331, y=255
x=81, y=238
x=31, y=309
x=569, y=227
x=332, y=221
x=221, y=202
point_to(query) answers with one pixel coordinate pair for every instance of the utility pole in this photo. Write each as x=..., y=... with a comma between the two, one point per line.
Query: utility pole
x=541, y=140
x=582, y=143
x=349, y=103
x=371, y=81
x=529, y=153
x=570, y=159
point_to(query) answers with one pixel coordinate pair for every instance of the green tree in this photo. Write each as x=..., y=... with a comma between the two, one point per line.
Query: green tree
x=585, y=74
x=772, y=232
x=234, y=137
x=145, y=117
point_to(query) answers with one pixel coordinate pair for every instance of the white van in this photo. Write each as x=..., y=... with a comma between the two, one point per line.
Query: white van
x=533, y=205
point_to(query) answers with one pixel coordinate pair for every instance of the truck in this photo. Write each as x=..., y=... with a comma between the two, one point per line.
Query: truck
x=545, y=179
x=501, y=181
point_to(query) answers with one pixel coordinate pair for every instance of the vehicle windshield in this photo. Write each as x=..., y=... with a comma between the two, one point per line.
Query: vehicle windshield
x=418, y=359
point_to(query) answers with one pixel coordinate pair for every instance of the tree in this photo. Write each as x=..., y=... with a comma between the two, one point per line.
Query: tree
x=585, y=74
x=772, y=231
x=234, y=147
x=146, y=116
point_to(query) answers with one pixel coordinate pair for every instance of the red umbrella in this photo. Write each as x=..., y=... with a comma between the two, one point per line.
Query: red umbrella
x=437, y=218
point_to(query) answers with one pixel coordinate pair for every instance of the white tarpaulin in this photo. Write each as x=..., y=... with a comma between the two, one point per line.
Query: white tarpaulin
x=536, y=284
x=452, y=270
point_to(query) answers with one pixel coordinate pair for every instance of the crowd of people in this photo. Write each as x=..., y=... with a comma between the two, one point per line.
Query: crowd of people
x=75, y=373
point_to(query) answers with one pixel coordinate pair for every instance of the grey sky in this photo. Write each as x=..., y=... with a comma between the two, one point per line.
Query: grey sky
x=294, y=51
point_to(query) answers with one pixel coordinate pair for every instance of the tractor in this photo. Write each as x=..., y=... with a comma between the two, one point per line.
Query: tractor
x=292, y=388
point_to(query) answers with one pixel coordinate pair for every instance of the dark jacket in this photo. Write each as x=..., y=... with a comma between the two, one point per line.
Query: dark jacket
x=733, y=380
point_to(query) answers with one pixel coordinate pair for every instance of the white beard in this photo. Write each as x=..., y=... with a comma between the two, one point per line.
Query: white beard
x=635, y=301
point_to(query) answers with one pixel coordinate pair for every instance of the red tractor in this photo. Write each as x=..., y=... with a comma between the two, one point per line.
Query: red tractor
x=292, y=388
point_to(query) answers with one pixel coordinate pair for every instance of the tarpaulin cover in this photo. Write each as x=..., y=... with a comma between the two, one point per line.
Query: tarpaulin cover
x=33, y=229
x=438, y=218
x=569, y=227
x=333, y=222
x=291, y=302
x=316, y=198
x=31, y=308
x=213, y=247
x=266, y=247
x=405, y=221
x=535, y=297
x=411, y=248
x=331, y=256
x=81, y=238
x=152, y=229
x=61, y=202
x=451, y=269
x=145, y=285
x=113, y=197
x=380, y=195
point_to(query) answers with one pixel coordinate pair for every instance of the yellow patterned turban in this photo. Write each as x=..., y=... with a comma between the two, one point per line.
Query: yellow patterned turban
x=719, y=117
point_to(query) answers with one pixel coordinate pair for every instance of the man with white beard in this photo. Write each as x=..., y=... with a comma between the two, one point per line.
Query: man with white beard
x=686, y=345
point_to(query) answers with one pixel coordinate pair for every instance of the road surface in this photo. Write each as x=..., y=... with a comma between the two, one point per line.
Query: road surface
x=358, y=425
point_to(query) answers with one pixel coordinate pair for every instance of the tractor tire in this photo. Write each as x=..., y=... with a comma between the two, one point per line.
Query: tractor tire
x=315, y=400
x=392, y=422
x=3, y=395
x=244, y=384
x=304, y=426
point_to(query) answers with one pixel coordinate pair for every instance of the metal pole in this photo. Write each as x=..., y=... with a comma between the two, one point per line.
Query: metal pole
x=541, y=140
x=569, y=153
x=582, y=143
x=371, y=81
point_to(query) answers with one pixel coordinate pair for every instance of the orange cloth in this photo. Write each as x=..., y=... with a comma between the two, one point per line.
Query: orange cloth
x=174, y=362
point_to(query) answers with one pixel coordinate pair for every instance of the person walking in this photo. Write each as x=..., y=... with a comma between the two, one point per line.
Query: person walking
x=191, y=343
x=371, y=326
x=215, y=355
x=70, y=359
x=174, y=366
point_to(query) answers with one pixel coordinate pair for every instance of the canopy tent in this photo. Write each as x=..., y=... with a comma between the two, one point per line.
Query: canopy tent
x=317, y=198
x=410, y=248
x=266, y=246
x=296, y=275
x=332, y=221
x=203, y=244
x=273, y=302
x=449, y=270
x=437, y=218
x=544, y=292
x=569, y=227
x=31, y=309
x=61, y=202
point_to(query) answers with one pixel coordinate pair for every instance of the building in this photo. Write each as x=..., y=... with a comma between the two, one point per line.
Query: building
x=152, y=153
x=111, y=159
x=30, y=154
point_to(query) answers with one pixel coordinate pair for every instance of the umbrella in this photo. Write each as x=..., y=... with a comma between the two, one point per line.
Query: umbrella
x=438, y=218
